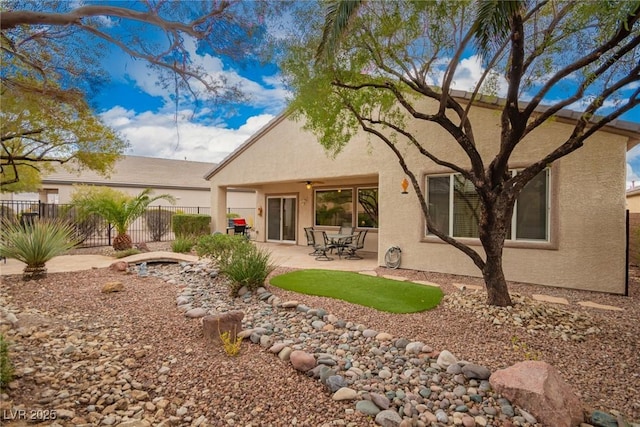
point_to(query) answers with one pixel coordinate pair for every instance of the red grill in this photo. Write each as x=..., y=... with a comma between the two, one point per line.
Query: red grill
x=239, y=221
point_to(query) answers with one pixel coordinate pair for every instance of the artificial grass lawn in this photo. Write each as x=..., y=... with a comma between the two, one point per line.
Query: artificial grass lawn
x=382, y=294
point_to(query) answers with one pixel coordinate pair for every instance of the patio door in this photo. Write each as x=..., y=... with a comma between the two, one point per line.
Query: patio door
x=281, y=219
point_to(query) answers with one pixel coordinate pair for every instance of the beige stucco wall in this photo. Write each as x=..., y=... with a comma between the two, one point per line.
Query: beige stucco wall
x=588, y=204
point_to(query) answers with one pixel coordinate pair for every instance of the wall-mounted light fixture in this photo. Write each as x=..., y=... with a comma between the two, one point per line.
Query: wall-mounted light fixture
x=405, y=185
x=308, y=185
x=259, y=210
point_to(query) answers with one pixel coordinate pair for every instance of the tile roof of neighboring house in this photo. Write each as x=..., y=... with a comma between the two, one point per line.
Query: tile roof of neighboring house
x=633, y=191
x=616, y=126
x=136, y=171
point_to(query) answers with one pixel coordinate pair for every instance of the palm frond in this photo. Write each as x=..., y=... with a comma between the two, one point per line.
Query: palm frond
x=337, y=19
x=492, y=24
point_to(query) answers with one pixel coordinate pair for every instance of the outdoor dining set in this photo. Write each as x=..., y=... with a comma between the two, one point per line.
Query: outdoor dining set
x=346, y=242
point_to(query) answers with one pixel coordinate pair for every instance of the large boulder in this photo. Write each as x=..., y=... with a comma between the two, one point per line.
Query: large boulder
x=538, y=388
x=217, y=324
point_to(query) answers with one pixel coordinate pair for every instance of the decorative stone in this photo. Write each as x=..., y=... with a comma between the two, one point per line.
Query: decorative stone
x=110, y=287
x=380, y=400
x=119, y=266
x=445, y=358
x=367, y=407
x=472, y=371
x=345, y=393
x=388, y=418
x=302, y=361
x=215, y=325
x=195, y=313
x=538, y=387
x=602, y=419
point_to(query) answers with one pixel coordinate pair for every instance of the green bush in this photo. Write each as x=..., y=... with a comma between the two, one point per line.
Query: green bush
x=191, y=225
x=158, y=222
x=247, y=266
x=183, y=244
x=127, y=252
x=219, y=246
x=6, y=368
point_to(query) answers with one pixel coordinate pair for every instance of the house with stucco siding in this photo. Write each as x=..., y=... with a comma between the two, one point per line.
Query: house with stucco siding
x=569, y=223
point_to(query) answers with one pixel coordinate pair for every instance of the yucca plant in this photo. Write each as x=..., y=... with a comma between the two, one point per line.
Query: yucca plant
x=35, y=244
x=116, y=207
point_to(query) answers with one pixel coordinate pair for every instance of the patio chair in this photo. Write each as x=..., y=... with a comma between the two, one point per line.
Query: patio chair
x=356, y=245
x=346, y=229
x=311, y=241
x=322, y=245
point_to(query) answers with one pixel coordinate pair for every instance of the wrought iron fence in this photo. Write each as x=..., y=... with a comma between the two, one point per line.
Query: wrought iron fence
x=153, y=226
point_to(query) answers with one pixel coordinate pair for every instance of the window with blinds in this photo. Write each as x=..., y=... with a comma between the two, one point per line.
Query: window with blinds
x=454, y=207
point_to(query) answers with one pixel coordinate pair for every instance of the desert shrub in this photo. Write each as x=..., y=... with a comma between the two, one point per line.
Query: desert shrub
x=158, y=222
x=183, y=244
x=219, y=247
x=6, y=368
x=191, y=224
x=36, y=243
x=126, y=253
x=247, y=266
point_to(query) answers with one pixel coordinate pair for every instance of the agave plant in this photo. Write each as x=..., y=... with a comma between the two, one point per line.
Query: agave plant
x=116, y=207
x=35, y=244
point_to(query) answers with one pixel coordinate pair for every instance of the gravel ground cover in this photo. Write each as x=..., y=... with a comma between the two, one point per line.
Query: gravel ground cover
x=180, y=380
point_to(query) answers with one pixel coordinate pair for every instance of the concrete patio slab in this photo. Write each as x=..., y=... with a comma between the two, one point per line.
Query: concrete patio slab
x=392, y=277
x=547, y=298
x=294, y=256
x=368, y=273
x=426, y=283
x=600, y=306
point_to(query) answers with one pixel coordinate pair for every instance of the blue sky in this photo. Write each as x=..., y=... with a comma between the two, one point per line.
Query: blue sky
x=143, y=112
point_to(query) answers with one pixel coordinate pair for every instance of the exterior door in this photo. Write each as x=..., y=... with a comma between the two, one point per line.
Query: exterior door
x=281, y=219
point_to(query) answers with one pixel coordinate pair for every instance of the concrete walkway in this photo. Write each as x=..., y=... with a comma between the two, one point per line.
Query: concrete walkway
x=282, y=255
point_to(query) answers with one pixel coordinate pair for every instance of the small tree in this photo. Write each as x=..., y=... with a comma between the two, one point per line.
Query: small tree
x=116, y=207
x=35, y=243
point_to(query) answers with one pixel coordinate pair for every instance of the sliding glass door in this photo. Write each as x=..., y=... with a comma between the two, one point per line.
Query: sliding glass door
x=281, y=219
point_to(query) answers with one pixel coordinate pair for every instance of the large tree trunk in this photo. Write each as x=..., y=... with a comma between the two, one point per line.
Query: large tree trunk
x=493, y=232
x=497, y=291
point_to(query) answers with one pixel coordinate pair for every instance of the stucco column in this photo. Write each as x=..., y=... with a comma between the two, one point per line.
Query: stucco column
x=219, y=209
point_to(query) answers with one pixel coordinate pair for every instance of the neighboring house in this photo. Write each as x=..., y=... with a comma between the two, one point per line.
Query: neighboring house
x=633, y=200
x=131, y=174
x=569, y=226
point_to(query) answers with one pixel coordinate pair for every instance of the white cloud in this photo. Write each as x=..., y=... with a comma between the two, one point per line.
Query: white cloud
x=633, y=179
x=269, y=93
x=157, y=135
x=467, y=75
